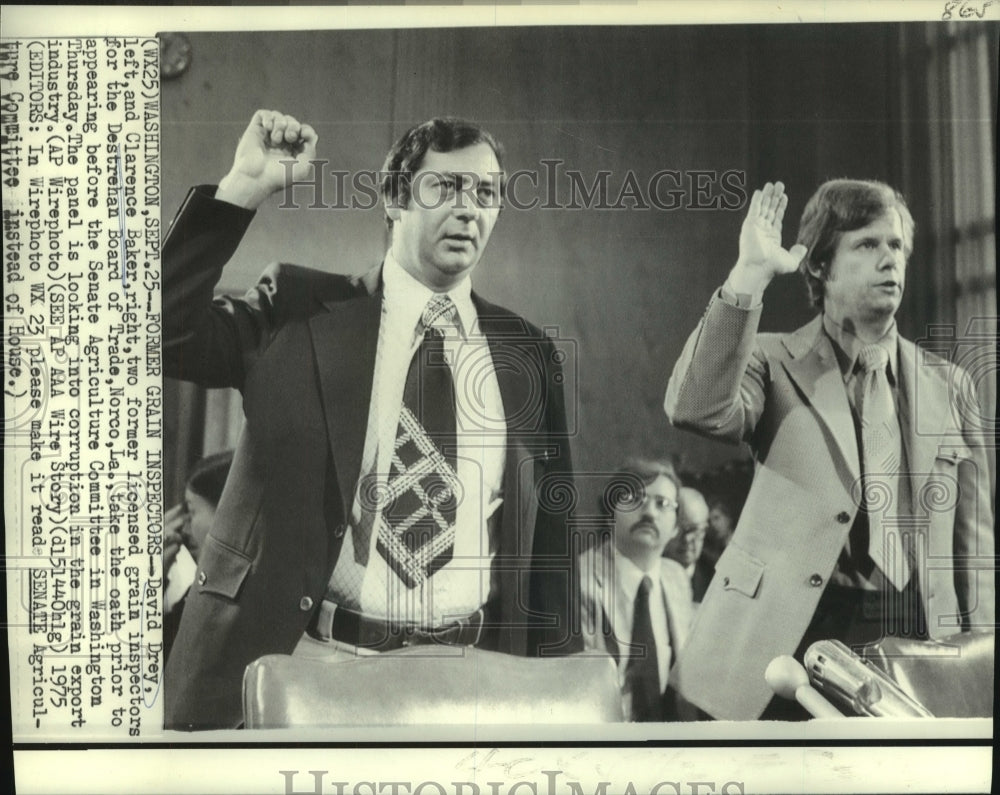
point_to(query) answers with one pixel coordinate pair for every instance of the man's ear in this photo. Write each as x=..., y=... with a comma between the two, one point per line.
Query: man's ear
x=393, y=212
x=817, y=270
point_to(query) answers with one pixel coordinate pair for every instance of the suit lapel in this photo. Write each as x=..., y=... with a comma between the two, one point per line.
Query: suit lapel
x=814, y=370
x=604, y=582
x=513, y=376
x=515, y=383
x=345, y=341
x=932, y=415
x=672, y=599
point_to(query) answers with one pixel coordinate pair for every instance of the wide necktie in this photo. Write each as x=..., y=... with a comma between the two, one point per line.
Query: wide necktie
x=882, y=456
x=642, y=673
x=416, y=527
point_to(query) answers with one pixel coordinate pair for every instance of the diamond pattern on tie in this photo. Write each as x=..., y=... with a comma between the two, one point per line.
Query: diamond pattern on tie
x=416, y=527
x=882, y=453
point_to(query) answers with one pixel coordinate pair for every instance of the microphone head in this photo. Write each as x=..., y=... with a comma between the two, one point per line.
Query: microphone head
x=785, y=675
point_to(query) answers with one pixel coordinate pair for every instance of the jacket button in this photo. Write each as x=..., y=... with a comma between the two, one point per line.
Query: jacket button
x=305, y=604
x=339, y=530
x=725, y=581
x=843, y=517
x=202, y=578
x=815, y=581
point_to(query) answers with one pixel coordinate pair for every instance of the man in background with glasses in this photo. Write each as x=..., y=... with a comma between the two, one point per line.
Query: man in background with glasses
x=636, y=604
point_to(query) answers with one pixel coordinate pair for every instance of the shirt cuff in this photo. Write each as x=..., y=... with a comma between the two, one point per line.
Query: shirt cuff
x=738, y=300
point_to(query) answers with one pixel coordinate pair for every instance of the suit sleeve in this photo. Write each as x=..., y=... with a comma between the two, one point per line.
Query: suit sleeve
x=210, y=341
x=719, y=383
x=974, y=541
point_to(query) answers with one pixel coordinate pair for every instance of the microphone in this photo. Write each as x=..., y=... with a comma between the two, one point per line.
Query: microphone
x=788, y=679
x=855, y=682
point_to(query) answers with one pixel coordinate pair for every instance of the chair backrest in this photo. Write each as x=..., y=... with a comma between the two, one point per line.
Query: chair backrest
x=952, y=677
x=431, y=685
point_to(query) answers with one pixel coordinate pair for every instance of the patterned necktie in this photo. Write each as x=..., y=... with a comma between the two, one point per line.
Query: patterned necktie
x=642, y=673
x=416, y=527
x=882, y=454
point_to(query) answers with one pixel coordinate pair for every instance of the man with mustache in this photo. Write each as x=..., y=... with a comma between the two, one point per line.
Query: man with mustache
x=870, y=512
x=636, y=604
x=385, y=489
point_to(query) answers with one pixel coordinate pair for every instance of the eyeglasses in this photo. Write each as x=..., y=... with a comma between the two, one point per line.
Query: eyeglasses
x=632, y=502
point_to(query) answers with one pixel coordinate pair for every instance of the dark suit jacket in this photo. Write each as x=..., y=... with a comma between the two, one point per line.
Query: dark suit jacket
x=784, y=395
x=701, y=577
x=301, y=347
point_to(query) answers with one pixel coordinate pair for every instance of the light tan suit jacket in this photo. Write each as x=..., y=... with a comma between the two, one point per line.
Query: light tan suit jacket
x=784, y=395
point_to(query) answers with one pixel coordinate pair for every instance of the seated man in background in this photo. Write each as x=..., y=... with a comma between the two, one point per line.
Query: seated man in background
x=870, y=511
x=687, y=546
x=636, y=604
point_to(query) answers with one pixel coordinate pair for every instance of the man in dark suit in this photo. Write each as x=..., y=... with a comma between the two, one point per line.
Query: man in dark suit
x=401, y=434
x=870, y=510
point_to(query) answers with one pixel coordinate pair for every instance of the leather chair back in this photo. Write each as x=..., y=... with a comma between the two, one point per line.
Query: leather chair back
x=952, y=677
x=431, y=685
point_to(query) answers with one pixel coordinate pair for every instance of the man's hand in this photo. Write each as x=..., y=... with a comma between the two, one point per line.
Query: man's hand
x=173, y=535
x=761, y=255
x=258, y=170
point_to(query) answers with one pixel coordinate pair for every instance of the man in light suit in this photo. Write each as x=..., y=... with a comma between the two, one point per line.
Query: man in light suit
x=309, y=552
x=636, y=604
x=834, y=541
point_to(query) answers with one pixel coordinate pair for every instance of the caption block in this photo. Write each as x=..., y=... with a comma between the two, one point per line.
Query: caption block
x=81, y=373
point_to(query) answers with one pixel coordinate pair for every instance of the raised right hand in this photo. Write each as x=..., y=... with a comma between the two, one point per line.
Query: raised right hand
x=761, y=256
x=258, y=170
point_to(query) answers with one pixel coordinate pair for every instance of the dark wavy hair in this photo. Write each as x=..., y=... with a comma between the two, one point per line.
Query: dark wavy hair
x=838, y=206
x=444, y=134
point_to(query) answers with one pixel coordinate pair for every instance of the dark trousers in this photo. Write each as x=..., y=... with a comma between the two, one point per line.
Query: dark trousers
x=856, y=617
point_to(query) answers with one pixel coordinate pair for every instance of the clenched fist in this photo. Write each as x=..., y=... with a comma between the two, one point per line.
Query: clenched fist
x=274, y=152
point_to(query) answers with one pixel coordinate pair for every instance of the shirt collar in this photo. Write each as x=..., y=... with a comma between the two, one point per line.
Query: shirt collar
x=847, y=346
x=630, y=576
x=408, y=297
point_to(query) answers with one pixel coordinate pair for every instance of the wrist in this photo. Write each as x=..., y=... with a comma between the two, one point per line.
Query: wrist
x=748, y=280
x=241, y=191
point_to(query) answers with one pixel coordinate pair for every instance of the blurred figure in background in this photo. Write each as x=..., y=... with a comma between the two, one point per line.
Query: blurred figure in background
x=722, y=519
x=687, y=546
x=185, y=527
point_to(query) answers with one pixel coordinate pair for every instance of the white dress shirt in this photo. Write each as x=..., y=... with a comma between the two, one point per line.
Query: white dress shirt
x=628, y=577
x=461, y=586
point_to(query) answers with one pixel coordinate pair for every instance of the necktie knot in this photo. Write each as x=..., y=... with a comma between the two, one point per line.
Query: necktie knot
x=645, y=587
x=873, y=358
x=440, y=308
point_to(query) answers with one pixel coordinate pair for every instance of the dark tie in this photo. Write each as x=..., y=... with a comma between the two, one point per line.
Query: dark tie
x=416, y=528
x=642, y=673
x=882, y=454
